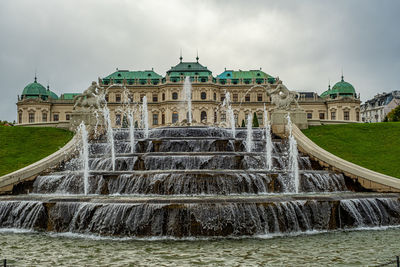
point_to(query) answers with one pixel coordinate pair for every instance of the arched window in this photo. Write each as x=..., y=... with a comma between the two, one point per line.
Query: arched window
x=203, y=116
x=174, y=95
x=215, y=96
x=203, y=95
x=20, y=117
x=175, y=117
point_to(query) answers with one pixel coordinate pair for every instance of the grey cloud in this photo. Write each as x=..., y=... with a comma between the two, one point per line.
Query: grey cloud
x=305, y=43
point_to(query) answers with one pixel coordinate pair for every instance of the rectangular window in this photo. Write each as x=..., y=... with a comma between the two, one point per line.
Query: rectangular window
x=155, y=98
x=118, y=98
x=357, y=116
x=141, y=97
x=222, y=97
x=118, y=119
x=67, y=117
x=31, y=117
x=20, y=117
x=130, y=98
x=175, y=117
x=223, y=117
x=259, y=97
x=333, y=115
x=309, y=115
x=260, y=118
x=346, y=115
x=247, y=98
x=322, y=116
x=163, y=119
x=44, y=117
x=155, y=119
x=215, y=116
x=235, y=97
x=55, y=117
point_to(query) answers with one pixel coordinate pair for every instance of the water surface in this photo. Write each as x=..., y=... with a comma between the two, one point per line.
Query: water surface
x=348, y=248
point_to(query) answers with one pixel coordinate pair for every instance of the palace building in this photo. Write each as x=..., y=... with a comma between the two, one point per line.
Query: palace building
x=166, y=104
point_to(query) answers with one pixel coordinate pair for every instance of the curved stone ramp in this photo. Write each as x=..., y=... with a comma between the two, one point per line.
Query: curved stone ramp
x=30, y=172
x=367, y=178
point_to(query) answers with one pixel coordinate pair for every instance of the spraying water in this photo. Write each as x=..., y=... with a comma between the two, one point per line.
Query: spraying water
x=187, y=87
x=269, y=146
x=131, y=131
x=110, y=135
x=293, y=154
x=145, y=118
x=84, y=156
x=249, y=138
x=229, y=111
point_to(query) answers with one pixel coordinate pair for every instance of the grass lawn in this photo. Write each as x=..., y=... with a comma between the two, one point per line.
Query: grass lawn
x=375, y=146
x=21, y=146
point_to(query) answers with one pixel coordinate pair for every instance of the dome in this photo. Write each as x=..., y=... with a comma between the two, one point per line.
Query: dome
x=34, y=89
x=341, y=88
x=51, y=94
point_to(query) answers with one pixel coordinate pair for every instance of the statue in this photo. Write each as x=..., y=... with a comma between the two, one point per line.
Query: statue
x=283, y=98
x=90, y=98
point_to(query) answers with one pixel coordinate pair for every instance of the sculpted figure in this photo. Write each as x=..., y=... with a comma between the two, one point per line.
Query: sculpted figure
x=283, y=98
x=90, y=98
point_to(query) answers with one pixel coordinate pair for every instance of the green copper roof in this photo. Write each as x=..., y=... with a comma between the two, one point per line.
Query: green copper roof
x=68, y=96
x=189, y=69
x=344, y=87
x=51, y=94
x=128, y=75
x=341, y=88
x=34, y=89
x=244, y=74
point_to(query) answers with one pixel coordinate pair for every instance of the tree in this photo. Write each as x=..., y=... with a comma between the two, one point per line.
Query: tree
x=243, y=124
x=255, y=120
x=394, y=115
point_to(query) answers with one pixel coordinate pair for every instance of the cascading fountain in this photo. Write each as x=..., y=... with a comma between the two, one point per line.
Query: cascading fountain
x=187, y=89
x=293, y=157
x=249, y=136
x=196, y=181
x=110, y=135
x=269, y=146
x=84, y=156
x=131, y=130
x=229, y=113
x=145, y=118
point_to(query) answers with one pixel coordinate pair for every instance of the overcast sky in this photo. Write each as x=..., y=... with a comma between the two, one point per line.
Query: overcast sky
x=305, y=43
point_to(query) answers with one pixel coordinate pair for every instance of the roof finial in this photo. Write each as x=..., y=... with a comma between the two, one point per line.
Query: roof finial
x=329, y=84
x=197, y=57
x=342, y=75
x=48, y=85
x=180, y=58
x=35, y=76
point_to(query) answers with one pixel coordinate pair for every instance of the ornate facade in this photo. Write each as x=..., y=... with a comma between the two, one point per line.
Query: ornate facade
x=166, y=104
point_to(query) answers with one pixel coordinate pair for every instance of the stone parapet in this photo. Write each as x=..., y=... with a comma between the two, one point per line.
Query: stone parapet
x=367, y=178
x=30, y=172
